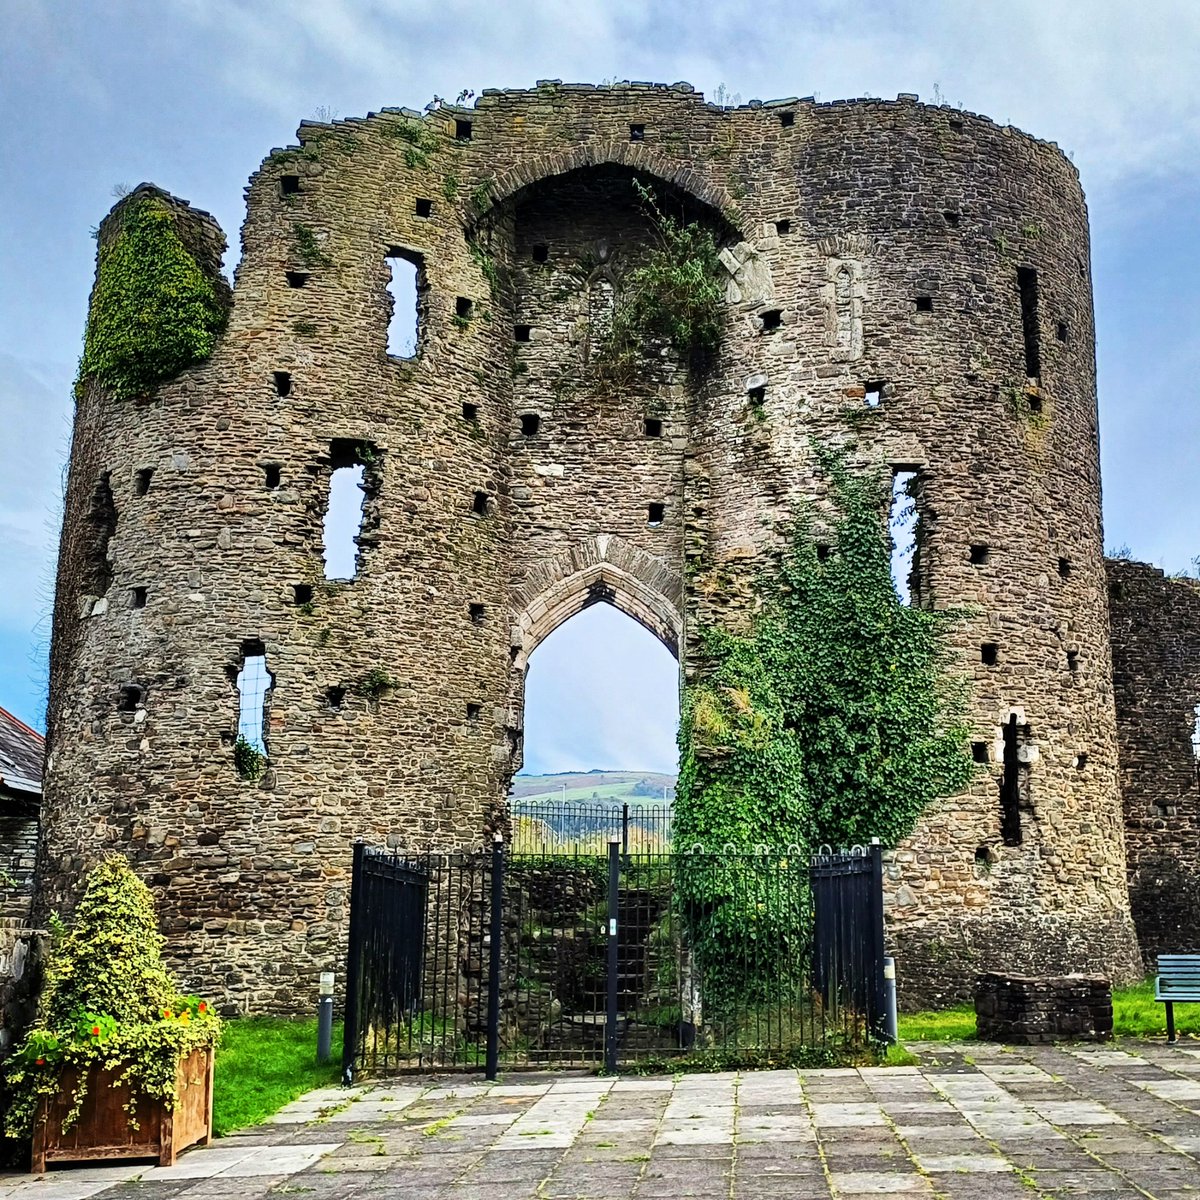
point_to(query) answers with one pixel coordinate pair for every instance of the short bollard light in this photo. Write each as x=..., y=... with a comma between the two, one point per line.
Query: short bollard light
x=325, y=1017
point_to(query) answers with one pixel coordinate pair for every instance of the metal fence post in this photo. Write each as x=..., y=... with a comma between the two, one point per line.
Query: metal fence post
x=353, y=954
x=625, y=829
x=610, y=1014
x=492, y=1065
x=879, y=1024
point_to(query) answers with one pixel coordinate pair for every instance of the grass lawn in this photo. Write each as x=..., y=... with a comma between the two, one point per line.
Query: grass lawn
x=1135, y=1014
x=264, y=1063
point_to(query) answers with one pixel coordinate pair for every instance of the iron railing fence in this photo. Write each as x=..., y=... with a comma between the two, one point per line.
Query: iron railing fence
x=585, y=827
x=524, y=959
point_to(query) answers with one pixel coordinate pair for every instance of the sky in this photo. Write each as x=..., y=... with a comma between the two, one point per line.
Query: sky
x=193, y=94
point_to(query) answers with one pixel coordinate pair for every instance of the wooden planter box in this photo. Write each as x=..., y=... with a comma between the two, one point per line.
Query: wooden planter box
x=103, y=1130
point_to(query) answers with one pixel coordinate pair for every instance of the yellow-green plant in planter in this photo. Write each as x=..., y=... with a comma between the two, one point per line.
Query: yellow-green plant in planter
x=109, y=1012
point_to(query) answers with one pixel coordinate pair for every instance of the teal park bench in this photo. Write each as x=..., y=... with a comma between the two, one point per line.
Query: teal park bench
x=1177, y=982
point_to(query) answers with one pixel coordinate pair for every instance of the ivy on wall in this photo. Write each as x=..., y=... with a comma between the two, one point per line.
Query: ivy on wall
x=154, y=310
x=833, y=720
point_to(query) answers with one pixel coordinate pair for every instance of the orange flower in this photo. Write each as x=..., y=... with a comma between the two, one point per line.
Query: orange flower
x=202, y=1007
x=95, y=1031
x=41, y=1062
x=167, y=1013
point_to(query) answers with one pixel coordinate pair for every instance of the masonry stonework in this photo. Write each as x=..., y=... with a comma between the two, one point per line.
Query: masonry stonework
x=888, y=244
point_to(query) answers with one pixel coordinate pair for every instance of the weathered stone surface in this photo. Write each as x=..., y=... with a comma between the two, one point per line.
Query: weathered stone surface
x=846, y=215
x=1028, y=1011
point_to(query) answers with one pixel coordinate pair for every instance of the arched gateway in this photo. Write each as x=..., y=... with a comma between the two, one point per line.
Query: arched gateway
x=883, y=291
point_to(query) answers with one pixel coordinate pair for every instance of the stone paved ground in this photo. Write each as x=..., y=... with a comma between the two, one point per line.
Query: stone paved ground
x=971, y=1122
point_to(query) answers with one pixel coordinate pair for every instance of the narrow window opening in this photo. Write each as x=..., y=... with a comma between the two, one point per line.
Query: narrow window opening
x=984, y=857
x=637, y=133
x=1035, y=404
x=470, y=411
x=137, y=597
x=530, y=423
x=521, y=333
x=1081, y=760
x=334, y=696
x=956, y=125
x=343, y=523
x=423, y=207
x=474, y=711
x=771, y=319
x=782, y=227
x=462, y=129
x=129, y=697
x=903, y=522
x=655, y=514
x=541, y=253
x=302, y=593
x=463, y=307
x=272, y=474
x=404, y=294
x=254, y=683
x=141, y=481
x=289, y=185
x=979, y=555
x=873, y=392
x=979, y=752
x=1014, y=785
x=101, y=524
x=475, y=612
x=653, y=427
x=924, y=304
x=787, y=119
x=1196, y=735
x=479, y=505
x=1064, y=567
x=823, y=551
x=296, y=279
x=989, y=654
x=283, y=383
x=1073, y=660
x=1027, y=285
x=1061, y=331
x=951, y=218
x=757, y=396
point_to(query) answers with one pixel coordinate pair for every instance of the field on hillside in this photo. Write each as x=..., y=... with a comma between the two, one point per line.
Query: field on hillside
x=610, y=787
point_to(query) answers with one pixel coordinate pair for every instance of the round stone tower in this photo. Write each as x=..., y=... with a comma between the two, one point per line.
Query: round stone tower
x=907, y=282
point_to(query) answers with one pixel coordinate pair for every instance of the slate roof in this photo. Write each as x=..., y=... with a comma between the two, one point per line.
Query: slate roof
x=21, y=753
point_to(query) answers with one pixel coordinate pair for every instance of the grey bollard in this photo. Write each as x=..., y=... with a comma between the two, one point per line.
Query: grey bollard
x=889, y=989
x=325, y=1018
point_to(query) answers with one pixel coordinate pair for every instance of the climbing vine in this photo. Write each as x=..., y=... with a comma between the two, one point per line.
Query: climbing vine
x=673, y=296
x=154, y=310
x=832, y=721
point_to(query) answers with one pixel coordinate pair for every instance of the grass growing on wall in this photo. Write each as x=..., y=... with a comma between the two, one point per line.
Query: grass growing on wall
x=264, y=1063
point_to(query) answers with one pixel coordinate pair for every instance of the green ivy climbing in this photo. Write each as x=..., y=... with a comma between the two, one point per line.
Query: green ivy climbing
x=832, y=721
x=154, y=310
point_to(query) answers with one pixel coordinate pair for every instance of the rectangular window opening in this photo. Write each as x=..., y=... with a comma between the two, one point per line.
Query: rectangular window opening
x=782, y=227
x=475, y=612
x=951, y=218
x=989, y=654
x=787, y=119
x=903, y=523
x=463, y=307
x=343, y=521
x=980, y=554
x=423, y=207
x=462, y=129
x=924, y=304
x=137, y=597
x=521, y=333
x=655, y=513
x=474, y=712
x=1035, y=404
x=824, y=550
x=653, y=427
x=541, y=253
x=334, y=697
x=470, y=411
x=302, y=593
x=283, y=382
x=637, y=133
x=771, y=319
x=296, y=279
x=141, y=481
x=289, y=185
x=873, y=392
x=272, y=474
x=1064, y=567
x=956, y=124
x=1027, y=285
x=404, y=287
x=530, y=423
x=130, y=697
x=1073, y=660
x=1081, y=760
x=1061, y=332
x=979, y=752
x=757, y=396
x=1014, y=783
x=254, y=683
x=1196, y=735
x=479, y=504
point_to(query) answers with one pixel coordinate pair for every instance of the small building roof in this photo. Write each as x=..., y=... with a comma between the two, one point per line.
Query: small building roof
x=22, y=751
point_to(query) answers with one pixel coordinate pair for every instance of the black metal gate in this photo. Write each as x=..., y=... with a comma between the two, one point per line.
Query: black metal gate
x=473, y=960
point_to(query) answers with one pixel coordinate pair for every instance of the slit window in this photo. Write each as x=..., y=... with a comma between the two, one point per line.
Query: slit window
x=1064, y=567
x=521, y=333
x=1081, y=760
x=757, y=396
x=979, y=752
x=1196, y=735
x=653, y=427
x=479, y=504
x=1027, y=285
x=771, y=319
x=1073, y=661
x=349, y=487
x=824, y=550
x=423, y=207
x=903, y=520
x=283, y=383
x=289, y=185
x=924, y=304
x=787, y=119
x=334, y=696
x=462, y=129
x=137, y=597
x=1061, y=331
x=296, y=279
x=1014, y=783
x=475, y=612
x=462, y=308
x=272, y=474
x=530, y=423
x=254, y=683
x=541, y=253
x=637, y=133
x=470, y=411
x=989, y=654
x=956, y=124
x=980, y=554
x=302, y=593
x=404, y=293
x=474, y=712
x=129, y=697
x=655, y=514
x=141, y=481
x=873, y=392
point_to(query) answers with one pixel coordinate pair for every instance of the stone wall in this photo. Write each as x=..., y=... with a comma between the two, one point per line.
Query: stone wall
x=865, y=242
x=18, y=851
x=1156, y=676
x=1027, y=1011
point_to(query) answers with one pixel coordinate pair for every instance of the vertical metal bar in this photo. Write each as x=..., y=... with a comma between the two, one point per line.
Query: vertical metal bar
x=878, y=1024
x=497, y=933
x=625, y=829
x=610, y=1015
x=354, y=947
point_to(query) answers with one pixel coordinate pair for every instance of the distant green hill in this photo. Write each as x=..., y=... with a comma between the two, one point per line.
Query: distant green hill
x=632, y=787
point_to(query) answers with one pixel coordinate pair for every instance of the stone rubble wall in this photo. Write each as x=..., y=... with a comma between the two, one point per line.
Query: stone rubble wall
x=1026, y=1011
x=838, y=217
